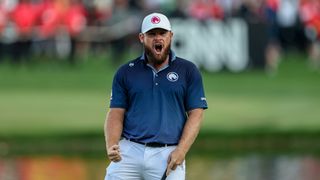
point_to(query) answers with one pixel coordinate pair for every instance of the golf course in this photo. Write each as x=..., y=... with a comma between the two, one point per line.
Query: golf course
x=50, y=108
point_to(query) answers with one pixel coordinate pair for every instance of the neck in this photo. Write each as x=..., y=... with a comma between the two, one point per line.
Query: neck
x=157, y=65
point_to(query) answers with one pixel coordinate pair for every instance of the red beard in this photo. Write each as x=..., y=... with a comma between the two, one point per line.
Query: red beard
x=157, y=59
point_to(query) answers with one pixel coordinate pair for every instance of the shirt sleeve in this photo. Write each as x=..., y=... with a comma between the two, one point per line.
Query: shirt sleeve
x=119, y=98
x=195, y=92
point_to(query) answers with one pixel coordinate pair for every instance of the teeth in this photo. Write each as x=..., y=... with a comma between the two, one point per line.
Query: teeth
x=158, y=47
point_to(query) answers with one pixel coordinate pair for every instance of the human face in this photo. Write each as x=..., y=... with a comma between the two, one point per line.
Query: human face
x=157, y=43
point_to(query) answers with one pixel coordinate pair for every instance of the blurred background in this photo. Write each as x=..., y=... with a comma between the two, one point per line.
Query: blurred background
x=259, y=59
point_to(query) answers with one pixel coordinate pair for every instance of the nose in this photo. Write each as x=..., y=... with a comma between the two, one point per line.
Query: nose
x=158, y=36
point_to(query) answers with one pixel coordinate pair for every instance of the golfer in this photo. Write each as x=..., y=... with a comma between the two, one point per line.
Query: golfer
x=156, y=109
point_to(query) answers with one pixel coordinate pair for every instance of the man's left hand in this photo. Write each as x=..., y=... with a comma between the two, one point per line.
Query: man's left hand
x=176, y=158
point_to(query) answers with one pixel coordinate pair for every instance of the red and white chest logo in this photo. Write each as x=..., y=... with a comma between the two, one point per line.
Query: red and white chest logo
x=155, y=19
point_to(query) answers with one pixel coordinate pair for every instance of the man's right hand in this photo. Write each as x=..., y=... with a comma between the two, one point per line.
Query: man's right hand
x=114, y=153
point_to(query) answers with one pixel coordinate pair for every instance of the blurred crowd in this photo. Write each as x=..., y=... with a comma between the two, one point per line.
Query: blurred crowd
x=63, y=28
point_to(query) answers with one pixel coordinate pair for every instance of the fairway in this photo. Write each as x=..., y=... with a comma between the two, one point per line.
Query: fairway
x=48, y=99
x=53, y=112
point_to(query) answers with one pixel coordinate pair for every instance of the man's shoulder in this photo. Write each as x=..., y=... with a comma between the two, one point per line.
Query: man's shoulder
x=130, y=64
x=184, y=62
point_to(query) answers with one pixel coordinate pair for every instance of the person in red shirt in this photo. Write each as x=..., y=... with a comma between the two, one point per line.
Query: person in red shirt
x=3, y=18
x=50, y=18
x=310, y=16
x=3, y=22
x=75, y=22
x=75, y=18
x=24, y=16
x=205, y=9
x=61, y=22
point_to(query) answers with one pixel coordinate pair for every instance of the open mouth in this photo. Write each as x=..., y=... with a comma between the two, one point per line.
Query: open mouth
x=158, y=48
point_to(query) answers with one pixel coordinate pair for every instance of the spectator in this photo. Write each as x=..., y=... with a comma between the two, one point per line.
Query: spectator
x=251, y=10
x=50, y=19
x=98, y=11
x=3, y=22
x=310, y=15
x=179, y=10
x=152, y=5
x=75, y=22
x=227, y=6
x=3, y=17
x=122, y=29
x=24, y=16
x=290, y=27
x=205, y=9
x=273, y=47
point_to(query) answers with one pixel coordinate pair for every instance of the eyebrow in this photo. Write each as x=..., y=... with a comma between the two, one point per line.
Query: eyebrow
x=157, y=31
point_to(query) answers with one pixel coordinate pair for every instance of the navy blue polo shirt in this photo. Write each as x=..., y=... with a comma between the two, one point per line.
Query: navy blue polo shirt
x=157, y=103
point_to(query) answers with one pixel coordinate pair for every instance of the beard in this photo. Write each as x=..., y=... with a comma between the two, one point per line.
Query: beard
x=154, y=58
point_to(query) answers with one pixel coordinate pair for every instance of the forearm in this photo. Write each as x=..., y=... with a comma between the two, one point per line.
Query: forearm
x=113, y=126
x=189, y=134
x=191, y=130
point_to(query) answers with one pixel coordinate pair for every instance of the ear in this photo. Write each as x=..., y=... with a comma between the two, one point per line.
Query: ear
x=141, y=37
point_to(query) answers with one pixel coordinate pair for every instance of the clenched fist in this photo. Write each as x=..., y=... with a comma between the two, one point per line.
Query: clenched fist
x=114, y=153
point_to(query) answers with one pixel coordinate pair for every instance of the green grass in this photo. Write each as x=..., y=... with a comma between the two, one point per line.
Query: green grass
x=288, y=101
x=50, y=98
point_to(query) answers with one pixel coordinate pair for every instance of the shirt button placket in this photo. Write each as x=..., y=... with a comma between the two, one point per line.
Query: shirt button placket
x=156, y=80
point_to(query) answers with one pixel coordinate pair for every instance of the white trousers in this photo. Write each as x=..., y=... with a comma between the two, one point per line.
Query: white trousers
x=143, y=163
